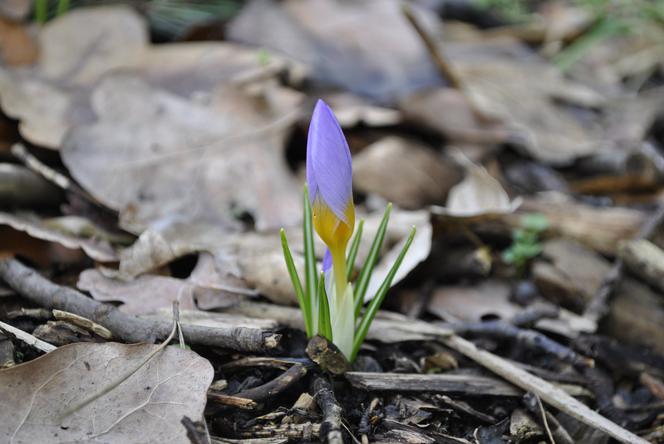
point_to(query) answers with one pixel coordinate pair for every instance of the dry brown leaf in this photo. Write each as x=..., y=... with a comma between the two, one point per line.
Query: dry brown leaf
x=472, y=303
x=205, y=288
x=189, y=160
x=351, y=110
x=405, y=172
x=16, y=45
x=16, y=10
x=80, y=47
x=368, y=47
x=96, y=249
x=600, y=228
x=400, y=225
x=505, y=81
x=449, y=112
x=151, y=402
x=479, y=194
x=145, y=294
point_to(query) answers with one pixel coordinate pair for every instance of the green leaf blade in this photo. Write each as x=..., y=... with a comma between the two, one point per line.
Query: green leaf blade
x=297, y=284
x=310, y=274
x=365, y=273
x=376, y=302
x=354, y=247
x=324, y=323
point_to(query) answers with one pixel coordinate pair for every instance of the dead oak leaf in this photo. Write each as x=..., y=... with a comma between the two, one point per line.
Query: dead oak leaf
x=150, y=403
x=152, y=155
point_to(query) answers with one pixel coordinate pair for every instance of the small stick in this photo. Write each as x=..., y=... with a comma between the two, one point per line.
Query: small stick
x=544, y=420
x=27, y=338
x=231, y=401
x=599, y=304
x=331, y=426
x=444, y=67
x=39, y=290
x=546, y=391
x=276, y=386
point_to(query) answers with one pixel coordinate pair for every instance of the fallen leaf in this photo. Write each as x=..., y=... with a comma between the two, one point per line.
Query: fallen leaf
x=16, y=45
x=401, y=224
x=96, y=249
x=80, y=47
x=449, y=112
x=600, y=228
x=368, y=48
x=351, y=110
x=151, y=402
x=405, y=172
x=145, y=294
x=205, y=288
x=479, y=194
x=189, y=159
x=473, y=302
x=16, y=10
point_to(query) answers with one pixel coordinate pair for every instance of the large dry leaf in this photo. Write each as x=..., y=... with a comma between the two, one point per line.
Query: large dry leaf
x=97, y=249
x=401, y=223
x=152, y=155
x=81, y=47
x=365, y=47
x=148, y=405
x=205, y=288
x=450, y=112
x=505, y=81
x=601, y=228
x=479, y=194
x=75, y=50
x=404, y=172
x=257, y=258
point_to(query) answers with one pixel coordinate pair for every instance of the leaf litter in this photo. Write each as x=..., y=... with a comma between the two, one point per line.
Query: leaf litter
x=197, y=149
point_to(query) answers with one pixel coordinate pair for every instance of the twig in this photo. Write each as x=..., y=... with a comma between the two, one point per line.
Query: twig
x=445, y=68
x=546, y=391
x=544, y=420
x=599, y=304
x=231, y=401
x=436, y=383
x=27, y=338
x=529, y=338
x=20, y=152
x=196, y=431
x=276, y=386
x=34, y=287
x=331, y=426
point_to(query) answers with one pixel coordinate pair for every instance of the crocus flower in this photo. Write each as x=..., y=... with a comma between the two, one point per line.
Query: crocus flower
x=329, y=180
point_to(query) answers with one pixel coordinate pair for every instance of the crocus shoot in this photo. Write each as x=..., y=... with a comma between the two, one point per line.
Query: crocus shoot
x=330, y=305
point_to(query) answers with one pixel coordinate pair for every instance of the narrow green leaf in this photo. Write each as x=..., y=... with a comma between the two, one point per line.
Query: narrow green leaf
x=310, y=274
x=324, y=323
x=375, y=303
x=63, y=6
x=354, y=246
x=41, y=11
x=365, y=274
x=297, y=284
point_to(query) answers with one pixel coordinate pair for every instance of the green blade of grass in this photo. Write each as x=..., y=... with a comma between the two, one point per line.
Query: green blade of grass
x=311, y=277
x=63, y=6
x=41, y=11
x=354, y=246
x=365, y=274
x=297, y=284
x=374, y=305
x=603, y=29
x=324, y=324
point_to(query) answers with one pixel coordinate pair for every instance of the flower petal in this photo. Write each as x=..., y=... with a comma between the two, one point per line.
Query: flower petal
x=329, y=167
